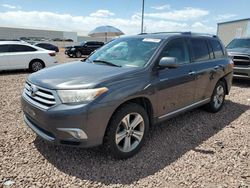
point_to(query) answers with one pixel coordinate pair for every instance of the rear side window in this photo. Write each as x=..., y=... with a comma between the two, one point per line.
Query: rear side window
x=4, y=48
x=216, y=46
x=176, y=48
x=200, y=49
x=21, y=48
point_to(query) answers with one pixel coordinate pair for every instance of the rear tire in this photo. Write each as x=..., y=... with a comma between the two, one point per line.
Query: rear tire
x=127, y=131
x=78, y=54
x=36, y=65
x=217, y=98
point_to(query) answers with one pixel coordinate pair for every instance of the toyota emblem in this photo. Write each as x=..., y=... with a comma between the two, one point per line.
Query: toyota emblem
x=33, y=90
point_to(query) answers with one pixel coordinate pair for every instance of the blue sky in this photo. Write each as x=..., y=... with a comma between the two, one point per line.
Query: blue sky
x=85, y=15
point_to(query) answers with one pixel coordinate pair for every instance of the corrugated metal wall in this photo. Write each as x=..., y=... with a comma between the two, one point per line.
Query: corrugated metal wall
x=228, y=31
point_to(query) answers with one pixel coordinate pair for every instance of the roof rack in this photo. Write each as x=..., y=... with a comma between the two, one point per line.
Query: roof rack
x=183, y=33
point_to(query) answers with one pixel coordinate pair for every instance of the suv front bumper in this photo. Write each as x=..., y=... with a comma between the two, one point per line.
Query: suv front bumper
x=68, y=124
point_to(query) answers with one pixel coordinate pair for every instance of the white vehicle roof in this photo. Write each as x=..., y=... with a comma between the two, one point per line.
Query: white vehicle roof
x=22, y=43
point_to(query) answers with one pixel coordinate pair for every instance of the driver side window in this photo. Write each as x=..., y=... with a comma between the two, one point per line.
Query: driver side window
x=176, y=48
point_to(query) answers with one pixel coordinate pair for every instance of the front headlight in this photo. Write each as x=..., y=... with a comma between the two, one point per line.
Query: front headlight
x=81, y=95
x=72, y=49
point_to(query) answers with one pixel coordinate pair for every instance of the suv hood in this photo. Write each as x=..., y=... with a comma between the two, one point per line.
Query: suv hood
x=239, y=50
x=76, y=75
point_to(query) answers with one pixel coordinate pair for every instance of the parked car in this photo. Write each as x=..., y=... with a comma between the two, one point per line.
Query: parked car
x=125, y=87
x=22, y=55
x=85, y=48
x=47, y=46
x=239, y=51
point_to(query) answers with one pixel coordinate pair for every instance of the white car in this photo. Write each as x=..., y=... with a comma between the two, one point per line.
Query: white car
x=22, y=55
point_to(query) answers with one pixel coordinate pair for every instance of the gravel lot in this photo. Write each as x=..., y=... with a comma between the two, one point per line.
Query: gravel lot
x=196, y=149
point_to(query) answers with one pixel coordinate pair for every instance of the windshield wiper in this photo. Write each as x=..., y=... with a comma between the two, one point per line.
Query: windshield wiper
x=106, y=62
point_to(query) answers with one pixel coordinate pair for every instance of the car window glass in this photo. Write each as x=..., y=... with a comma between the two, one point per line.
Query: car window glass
x=176, y=48
x=4, y=48
x=129, y=52
x=21, y=48
x=211, y=53
x=200, y=50
x=218, y=52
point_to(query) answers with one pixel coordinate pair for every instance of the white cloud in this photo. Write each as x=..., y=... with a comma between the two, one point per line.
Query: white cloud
x=185, y=14
x=222, y=17
x=67, y=22
x=102, y=13
x=161, y=7
x=10, y=6
x=199, y=26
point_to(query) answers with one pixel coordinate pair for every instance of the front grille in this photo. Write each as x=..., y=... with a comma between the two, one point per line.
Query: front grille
x=241, y=60
x=40, y=97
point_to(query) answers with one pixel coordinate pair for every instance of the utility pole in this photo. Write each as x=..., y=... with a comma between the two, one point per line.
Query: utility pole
x=142, y=17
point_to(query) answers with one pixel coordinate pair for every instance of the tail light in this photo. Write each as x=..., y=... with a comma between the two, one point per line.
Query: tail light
x=52, y=54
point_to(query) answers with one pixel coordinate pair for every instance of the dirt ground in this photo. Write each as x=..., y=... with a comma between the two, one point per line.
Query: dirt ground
x=196, y=149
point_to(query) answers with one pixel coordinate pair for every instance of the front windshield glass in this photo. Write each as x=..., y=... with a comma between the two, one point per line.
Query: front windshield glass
x=82, y=43
x=127, y=52
x=239, y=43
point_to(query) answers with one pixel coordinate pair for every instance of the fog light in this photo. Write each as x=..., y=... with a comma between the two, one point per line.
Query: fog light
x=76, y=133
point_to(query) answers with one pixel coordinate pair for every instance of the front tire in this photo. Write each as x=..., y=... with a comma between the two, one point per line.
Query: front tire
x=217, y=98
x=126, y=131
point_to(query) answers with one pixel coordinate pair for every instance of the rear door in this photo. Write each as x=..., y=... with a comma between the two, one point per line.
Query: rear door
x=4, y=57
x=206, y=66
x=21, y=55
x=176, y=87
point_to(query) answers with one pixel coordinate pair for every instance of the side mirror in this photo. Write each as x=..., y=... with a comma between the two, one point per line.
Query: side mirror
x=169, y=62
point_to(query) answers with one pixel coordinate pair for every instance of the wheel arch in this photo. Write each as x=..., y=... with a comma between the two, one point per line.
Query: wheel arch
x=142, y=101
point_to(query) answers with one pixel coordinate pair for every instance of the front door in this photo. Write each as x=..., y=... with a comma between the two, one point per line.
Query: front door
x=176, y=86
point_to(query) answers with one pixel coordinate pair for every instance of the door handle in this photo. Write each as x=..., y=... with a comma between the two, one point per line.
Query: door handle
x=191, y=72
x=219, y=67
x=216, y=67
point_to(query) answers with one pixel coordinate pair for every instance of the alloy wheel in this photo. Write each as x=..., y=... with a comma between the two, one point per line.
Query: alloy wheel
x=219, y=96
x=130, y=132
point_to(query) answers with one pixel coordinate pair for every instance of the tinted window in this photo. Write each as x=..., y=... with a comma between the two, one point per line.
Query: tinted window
x=177, y=48
x=4, y=48
x=200, y=49
x=21, y=48
x=42, y=45
x=218, y=52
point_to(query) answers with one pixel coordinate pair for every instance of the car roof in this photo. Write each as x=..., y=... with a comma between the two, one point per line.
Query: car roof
x=14, y=42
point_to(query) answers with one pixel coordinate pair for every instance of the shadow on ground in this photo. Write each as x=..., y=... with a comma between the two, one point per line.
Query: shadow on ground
x=241, y=82
x=165, y=144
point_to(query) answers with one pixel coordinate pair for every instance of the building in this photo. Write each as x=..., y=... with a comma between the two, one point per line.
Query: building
x=227, y=31
x=35, y=34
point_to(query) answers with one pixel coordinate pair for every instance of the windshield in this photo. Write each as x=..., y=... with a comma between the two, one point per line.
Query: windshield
x=82, y=43
x=239, y=43
x=127, y=52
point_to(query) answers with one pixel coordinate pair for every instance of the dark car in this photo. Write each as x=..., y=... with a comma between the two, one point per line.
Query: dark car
x=85, y=48
x=47, y=46
x=125, y=87
x=239, y=51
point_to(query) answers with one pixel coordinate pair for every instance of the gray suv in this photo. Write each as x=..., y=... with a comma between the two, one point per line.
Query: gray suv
x=114, y=96
x=239, y=51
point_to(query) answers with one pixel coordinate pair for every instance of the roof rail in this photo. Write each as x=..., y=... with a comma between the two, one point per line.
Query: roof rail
x=187, y=33
x=142, y=33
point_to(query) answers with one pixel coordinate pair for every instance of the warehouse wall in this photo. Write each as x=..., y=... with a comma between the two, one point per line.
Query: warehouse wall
x=228, y=31
x=16, y=33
